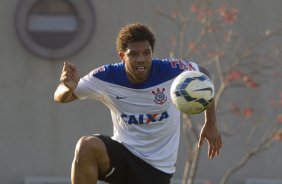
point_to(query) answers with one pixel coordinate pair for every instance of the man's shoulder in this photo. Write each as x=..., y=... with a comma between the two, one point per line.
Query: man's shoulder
x=106, y=69
x=175, y=64
x=112, y=73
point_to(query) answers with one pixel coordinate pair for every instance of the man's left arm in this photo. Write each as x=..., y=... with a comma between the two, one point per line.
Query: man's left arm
x=209, y=130
x=210, y=133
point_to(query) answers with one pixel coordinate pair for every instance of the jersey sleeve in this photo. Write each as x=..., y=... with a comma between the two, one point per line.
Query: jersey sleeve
x=173, y=67
x=90, y=87
x=184, y=65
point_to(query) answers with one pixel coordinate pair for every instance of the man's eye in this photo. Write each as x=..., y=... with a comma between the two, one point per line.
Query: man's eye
x=133, y=54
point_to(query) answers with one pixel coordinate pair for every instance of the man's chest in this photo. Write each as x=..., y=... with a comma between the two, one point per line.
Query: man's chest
x=153, y=99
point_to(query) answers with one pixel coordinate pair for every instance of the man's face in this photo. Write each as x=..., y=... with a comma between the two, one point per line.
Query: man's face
x=138, y=61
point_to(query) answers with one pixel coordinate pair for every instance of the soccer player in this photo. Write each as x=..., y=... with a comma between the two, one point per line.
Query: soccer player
x=144, y=145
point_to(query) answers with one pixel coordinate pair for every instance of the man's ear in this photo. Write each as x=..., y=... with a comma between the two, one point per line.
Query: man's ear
x=121, y=55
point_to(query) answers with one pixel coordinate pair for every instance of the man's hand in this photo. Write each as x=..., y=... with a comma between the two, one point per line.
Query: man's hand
x=68, y=82
x=210, y=133
x=70, y=76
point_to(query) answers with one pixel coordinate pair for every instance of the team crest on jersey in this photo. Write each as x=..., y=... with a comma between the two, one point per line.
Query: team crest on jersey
x=160, y=97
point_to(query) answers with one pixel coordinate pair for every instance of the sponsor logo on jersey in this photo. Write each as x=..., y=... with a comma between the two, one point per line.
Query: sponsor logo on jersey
x=160, y=97
x=184, y=65
x=139, y=119
x=121, y=97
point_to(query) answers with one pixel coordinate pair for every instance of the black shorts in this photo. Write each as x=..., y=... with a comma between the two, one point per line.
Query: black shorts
x=126, y=168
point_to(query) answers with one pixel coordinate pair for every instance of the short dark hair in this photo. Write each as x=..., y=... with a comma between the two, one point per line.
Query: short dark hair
x=134, y=32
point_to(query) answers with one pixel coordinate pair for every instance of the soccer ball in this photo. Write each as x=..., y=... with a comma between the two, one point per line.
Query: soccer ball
x=192, y=92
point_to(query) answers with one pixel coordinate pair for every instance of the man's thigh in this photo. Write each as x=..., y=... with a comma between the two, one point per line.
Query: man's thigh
x=126, y=168
x=141, y=172
x=118, y=173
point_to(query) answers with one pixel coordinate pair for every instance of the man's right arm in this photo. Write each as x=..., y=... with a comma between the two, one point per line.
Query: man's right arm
x=64, y=94
x=68, y=82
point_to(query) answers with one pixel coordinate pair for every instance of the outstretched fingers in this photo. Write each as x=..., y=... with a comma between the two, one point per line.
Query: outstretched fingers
x=214, y=147
x=69, y=76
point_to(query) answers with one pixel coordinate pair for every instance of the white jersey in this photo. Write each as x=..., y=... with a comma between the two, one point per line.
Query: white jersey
x=144, y=119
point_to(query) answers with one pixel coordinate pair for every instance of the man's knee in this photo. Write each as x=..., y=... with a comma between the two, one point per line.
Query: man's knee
x=91, y=151
x=90, y=147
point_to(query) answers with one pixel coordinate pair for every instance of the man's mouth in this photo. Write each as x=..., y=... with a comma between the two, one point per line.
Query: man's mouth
x=140, y=68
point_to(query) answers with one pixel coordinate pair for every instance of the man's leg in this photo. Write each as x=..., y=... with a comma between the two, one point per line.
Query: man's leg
x=90, y=160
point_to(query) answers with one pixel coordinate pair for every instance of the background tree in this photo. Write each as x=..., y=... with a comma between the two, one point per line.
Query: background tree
x=206, y=32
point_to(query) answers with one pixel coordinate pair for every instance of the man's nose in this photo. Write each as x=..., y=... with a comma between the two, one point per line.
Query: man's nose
x=140, y=58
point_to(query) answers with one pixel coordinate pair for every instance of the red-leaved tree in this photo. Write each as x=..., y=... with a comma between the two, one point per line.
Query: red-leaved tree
x=206, y=32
